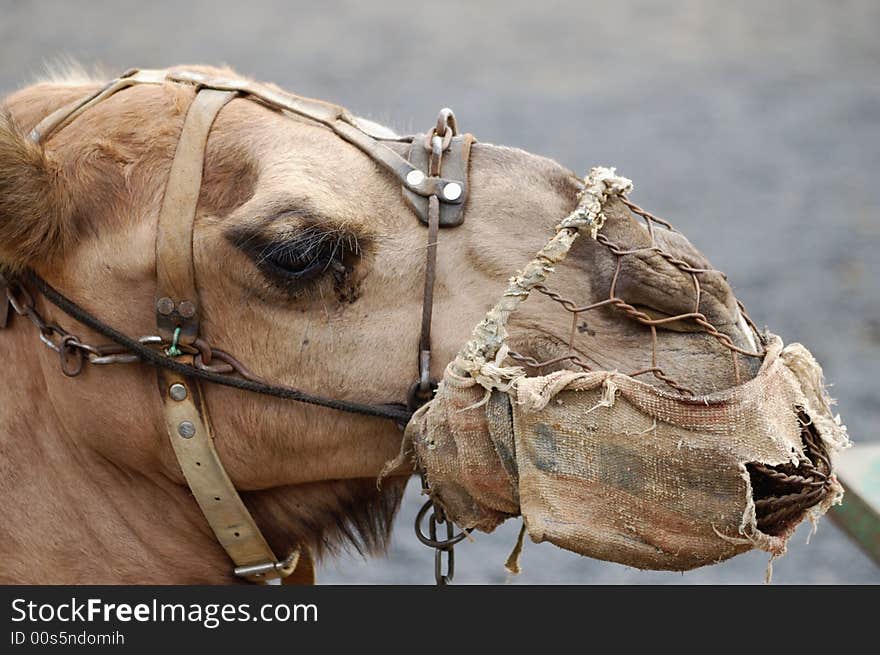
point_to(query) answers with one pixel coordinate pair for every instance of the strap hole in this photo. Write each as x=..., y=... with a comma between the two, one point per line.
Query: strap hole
x=198, y=463
x=216, y=497
x=236, y=534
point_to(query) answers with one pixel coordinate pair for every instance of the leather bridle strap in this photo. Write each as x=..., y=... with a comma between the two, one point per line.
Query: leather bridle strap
x=177, y=308
x=393, y=412
x=436, y=201
x=189, y=430
x=345, y=126
x=337, y=118
x=186, y=418
x=397, y=413
x=65, y=114
x=442, y=149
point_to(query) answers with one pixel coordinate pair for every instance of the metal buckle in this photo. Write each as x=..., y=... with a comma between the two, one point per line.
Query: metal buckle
x=267, y=571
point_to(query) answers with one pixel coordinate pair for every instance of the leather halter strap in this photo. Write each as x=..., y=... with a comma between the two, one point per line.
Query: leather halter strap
x=436, y=201
x=440, y=150
x=188, y=427
x=64, y=115
x=177, y=302
x=186, y=416
x=344, y=125
x=249, y=382
x=335, y=117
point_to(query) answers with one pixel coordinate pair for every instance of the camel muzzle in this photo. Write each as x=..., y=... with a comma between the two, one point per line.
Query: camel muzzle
x=615, y=468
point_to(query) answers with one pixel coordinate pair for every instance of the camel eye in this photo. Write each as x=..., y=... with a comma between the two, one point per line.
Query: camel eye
x=291, y=260
x=296, y=261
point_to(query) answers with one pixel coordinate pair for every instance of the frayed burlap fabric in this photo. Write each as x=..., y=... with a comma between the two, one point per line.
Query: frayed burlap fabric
x=616, y=469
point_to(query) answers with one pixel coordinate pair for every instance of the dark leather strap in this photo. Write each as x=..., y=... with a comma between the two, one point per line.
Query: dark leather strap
x=442, y=150
x=456, y=161
x=425, y=383
x=394, y=412
x=436, y=200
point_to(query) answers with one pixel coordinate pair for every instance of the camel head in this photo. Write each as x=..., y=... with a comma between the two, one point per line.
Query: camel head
x=309, y=265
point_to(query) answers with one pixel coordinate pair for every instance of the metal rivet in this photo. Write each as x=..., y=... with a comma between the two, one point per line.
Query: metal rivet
x=415, y=178
x=186, y=429
x=165, y=306
x=177, y=391
x=452, y=191
x=186, y=309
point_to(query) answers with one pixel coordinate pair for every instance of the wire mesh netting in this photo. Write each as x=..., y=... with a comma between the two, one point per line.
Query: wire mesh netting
x=629, y=311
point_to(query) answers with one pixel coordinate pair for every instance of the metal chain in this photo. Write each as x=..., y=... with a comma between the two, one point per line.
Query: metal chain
x=443, y=548
x=73, y=352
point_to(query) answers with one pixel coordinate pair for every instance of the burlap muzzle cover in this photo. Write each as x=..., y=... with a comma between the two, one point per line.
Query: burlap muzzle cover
x=607, y=466
x=616, y=469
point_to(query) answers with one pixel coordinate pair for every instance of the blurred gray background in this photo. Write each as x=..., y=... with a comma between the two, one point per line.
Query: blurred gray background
x=753, y=126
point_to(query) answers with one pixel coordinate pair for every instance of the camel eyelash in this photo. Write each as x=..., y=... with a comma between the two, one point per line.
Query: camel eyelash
x=292, y=261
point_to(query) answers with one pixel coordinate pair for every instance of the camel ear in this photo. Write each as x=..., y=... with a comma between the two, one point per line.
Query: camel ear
x=35, y=212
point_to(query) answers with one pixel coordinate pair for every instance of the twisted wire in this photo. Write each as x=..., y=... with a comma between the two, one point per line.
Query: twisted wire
x=614, y=301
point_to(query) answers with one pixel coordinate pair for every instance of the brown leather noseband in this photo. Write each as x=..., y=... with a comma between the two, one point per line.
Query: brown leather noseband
x=434, y=181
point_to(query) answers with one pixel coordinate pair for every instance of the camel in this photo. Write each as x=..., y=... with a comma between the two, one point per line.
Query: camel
x=309, y=266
